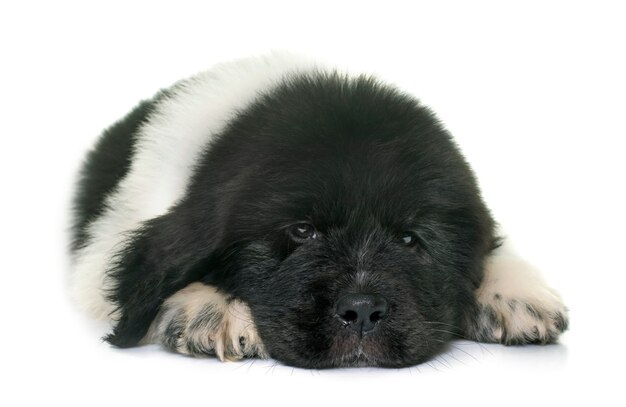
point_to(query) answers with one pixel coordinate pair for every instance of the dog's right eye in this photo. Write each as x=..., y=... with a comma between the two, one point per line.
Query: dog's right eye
x=302, y=231
x=409, y=239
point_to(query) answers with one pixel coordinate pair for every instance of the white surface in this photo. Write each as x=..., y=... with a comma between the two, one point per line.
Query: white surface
x=535, y=95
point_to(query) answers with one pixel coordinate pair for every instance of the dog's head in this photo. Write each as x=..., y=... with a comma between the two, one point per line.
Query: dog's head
x=353, y=227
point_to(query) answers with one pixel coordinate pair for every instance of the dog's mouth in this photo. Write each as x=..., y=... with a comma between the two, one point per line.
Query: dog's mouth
x=353, y=350
x=356, y=358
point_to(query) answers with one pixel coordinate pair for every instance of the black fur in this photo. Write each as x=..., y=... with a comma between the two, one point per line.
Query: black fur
x=363, y=163
x=104, y=167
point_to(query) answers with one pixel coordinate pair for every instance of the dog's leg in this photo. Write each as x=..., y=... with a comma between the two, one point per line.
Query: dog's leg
x=198, y=320
x=163, y=256
x=514, y=304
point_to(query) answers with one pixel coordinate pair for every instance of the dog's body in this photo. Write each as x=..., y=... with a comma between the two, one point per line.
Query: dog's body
x=270, y=207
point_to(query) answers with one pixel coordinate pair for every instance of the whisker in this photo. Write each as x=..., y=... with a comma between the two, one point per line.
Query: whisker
x=467, y=353
x=253, y=361
x=242, y=364
x=271, y=368
x=455, y=334
x=444, y=362
x=442, y=323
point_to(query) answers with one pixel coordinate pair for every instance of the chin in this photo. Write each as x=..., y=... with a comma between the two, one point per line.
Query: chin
x=274, y=207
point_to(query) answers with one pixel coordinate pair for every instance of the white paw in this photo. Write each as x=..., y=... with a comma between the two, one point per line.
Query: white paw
x=200, y=321
x=515, y=306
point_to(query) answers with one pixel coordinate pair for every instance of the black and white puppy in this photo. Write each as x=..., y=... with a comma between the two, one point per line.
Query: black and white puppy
x=271, y=207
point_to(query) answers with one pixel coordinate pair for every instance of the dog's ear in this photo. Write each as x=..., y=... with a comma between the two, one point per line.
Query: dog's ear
x=163, y=256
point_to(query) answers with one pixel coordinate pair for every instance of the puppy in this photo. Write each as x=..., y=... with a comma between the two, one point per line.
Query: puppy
x=272, y=207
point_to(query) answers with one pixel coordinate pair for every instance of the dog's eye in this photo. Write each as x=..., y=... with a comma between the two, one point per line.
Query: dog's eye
x=408, y=239
x=302, y=231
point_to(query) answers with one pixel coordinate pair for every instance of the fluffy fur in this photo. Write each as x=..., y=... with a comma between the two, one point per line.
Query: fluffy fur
x=272, y=207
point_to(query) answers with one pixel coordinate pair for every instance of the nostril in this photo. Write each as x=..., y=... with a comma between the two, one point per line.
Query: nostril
x=376, y=316
x=349, y=316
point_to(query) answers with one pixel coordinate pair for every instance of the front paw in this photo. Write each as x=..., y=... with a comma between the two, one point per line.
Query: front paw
x=200, y=321
x=517, y=309
x=515, y=321
x=515, y=306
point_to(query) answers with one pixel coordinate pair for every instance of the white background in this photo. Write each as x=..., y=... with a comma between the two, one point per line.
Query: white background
x=533, y=91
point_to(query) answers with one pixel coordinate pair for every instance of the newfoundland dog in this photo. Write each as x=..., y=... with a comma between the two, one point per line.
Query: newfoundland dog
x=273, y=207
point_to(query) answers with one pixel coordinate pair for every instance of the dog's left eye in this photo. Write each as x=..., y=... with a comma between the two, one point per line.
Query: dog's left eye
x=408, y=239
x=302, y=231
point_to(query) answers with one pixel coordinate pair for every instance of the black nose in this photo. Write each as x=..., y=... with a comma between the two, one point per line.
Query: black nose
x=361, y=312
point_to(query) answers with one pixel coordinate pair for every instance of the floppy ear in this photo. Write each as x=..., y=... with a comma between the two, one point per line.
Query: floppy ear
x=166, y=254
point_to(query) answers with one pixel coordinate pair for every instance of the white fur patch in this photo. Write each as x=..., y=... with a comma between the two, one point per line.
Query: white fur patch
x=167, y=148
